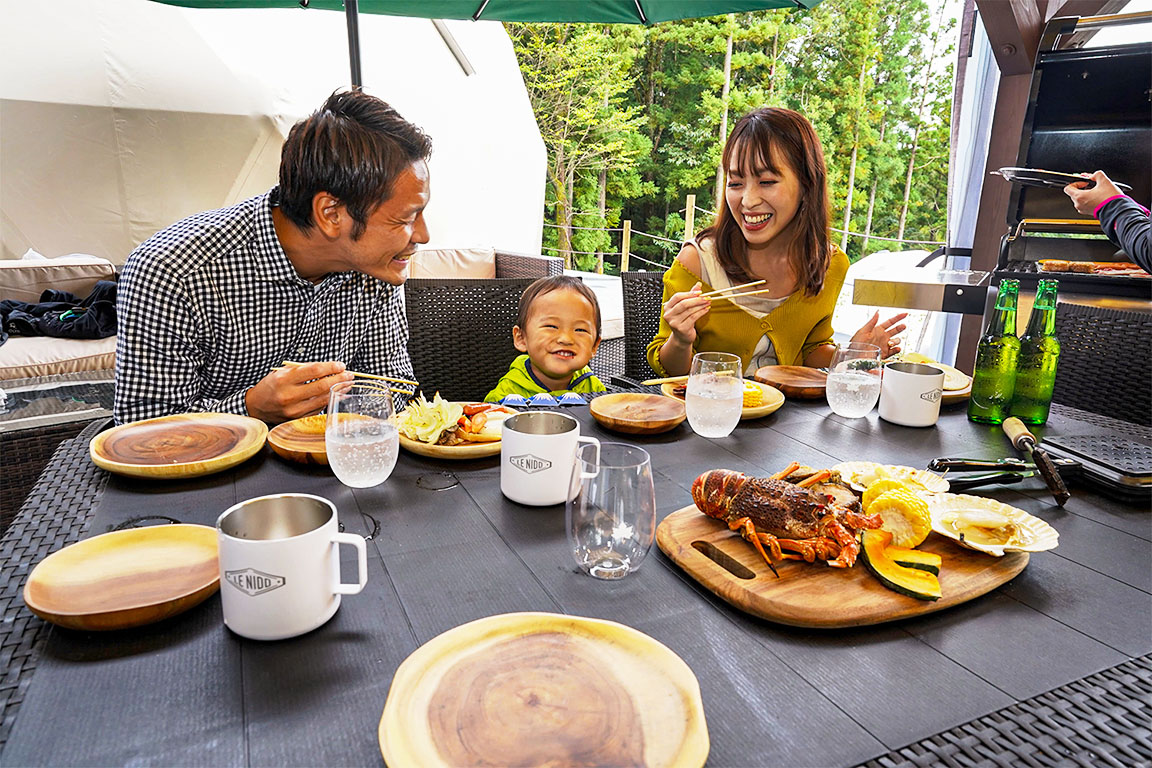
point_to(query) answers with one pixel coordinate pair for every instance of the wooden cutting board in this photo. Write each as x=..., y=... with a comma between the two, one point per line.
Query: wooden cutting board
x=543, y=689
x=813, y=594
x=794, y=380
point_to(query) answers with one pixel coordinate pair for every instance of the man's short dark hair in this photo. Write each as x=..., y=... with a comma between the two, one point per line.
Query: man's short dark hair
x=354, y=147
x=559, y=283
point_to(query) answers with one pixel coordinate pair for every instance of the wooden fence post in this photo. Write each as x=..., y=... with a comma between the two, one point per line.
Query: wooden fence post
x=689, y=217
x=625, y=244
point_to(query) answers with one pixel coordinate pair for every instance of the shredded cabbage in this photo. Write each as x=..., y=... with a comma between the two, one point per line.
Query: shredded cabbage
x=426, y=421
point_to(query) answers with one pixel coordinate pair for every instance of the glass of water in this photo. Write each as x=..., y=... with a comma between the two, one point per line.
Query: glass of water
x=611, y=513
x=715, y=394
x=360, y=437
x=854, y=379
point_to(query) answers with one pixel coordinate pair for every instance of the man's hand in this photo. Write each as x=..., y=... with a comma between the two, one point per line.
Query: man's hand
x=882, y=334
x=1087, y=200
x=294, y=391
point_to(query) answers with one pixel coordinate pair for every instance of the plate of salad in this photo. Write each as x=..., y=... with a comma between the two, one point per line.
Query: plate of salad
x=446, y=429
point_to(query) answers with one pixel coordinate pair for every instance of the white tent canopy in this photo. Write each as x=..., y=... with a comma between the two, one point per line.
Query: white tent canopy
x=118, y=117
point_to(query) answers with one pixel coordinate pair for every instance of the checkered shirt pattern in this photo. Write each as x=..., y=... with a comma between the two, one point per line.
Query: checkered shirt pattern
x=208, y=306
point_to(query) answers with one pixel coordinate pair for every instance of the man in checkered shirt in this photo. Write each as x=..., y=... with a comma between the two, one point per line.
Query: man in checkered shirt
x=310, y=271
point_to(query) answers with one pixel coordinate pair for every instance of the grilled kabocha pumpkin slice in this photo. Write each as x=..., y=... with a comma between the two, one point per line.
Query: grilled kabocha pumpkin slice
x=907, y=581
x=915, y=558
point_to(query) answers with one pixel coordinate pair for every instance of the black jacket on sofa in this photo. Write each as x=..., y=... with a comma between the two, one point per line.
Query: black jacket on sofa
x=62, y=315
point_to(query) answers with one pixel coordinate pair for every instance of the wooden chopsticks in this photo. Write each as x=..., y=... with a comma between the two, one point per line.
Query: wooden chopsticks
x=676, y=379
x=734, y=291
x=666, y=380
x=372, y=376
x=740, y=294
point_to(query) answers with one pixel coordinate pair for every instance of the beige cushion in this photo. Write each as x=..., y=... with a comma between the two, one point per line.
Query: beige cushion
x=454, y=262
x=26, y=279
x=23, y=357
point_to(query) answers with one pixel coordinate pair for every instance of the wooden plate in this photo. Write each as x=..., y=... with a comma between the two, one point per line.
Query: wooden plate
x=464, y=451
x=543, y=689
x=183, y=445
x=794, y=380
x=957, y=395
x=298, y=440
x=637, y=413
x=125, y=578
x=813, y=594
x=773, y=399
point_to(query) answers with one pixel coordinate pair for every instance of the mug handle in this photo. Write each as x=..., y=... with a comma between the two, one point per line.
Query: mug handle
x=361, y=560
x=592, y=441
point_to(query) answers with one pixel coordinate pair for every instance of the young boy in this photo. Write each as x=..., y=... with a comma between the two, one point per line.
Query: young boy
x=559, y=329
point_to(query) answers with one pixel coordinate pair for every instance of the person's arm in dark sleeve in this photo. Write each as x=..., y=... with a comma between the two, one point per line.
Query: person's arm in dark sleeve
x=1127, y=224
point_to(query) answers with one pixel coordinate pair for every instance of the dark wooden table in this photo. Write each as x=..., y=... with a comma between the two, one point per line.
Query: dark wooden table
x=187, y=692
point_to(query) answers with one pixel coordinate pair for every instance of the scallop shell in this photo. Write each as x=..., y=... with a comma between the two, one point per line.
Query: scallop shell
x=864, y=473
x=1039, y=536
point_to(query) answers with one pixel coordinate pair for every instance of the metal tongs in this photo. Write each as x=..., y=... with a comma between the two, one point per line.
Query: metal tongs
x=1002, y=471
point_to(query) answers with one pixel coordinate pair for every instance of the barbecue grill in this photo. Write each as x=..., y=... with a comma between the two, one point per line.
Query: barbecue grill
x=1089, y=108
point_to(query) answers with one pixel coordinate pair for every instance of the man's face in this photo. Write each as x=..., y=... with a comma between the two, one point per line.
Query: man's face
x=393, y=230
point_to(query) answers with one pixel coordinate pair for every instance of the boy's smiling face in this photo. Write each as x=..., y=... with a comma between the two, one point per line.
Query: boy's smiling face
x=560, y=337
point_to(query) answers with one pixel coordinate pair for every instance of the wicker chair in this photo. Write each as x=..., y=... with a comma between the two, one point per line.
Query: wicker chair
x=643, y=298
x=460, y=333
x=1105, y=361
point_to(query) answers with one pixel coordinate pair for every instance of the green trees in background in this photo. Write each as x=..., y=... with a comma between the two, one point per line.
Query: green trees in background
x=634, y=119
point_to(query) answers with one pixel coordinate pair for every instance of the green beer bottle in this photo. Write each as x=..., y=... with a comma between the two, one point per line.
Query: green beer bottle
x=994, y=376
x=1039, y=353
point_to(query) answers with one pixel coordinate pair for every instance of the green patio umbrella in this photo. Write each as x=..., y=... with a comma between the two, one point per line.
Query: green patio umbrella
x=592, y=11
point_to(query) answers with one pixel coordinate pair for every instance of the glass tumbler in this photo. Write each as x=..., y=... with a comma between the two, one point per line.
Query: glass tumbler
x=611, y=517
x=360, y=435
x=853, y=385
x=715, y=394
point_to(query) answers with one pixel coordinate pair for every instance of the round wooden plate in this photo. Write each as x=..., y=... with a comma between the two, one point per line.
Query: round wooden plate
x=636, y=413
x=773, y=399
x=794, y=380
x=300, y=440
x=125, y=578
x=463, y=451
x=182, y=445
x=957, y=395
x=543, y=689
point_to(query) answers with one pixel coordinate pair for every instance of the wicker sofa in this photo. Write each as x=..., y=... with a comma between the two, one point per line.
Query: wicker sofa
x=52, y=387
x=39, y=356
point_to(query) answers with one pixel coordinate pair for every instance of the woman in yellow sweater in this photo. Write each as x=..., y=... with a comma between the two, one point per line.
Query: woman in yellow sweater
x=773, y=226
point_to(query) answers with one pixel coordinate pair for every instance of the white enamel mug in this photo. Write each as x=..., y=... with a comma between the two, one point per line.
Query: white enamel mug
x=280, y=565
x=537, y=453
x=910, y=394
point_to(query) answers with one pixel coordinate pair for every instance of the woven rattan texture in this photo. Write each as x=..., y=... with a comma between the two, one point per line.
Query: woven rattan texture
x=26, y=452
x=1104, y=719
x=609, y=359
x=643, y=295
x=510, y=264
x=1105, y=361
x=460, y=333
x=54, y=515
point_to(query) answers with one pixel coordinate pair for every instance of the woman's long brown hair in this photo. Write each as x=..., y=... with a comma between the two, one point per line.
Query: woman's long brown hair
x=786, y=135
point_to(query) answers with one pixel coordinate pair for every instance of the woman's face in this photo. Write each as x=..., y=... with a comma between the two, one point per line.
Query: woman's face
x=763, y=202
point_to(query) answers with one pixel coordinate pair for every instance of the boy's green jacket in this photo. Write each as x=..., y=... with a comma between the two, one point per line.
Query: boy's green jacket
x=519, y=380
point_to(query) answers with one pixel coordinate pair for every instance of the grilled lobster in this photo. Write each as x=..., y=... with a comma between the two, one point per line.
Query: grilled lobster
x=780, y=515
